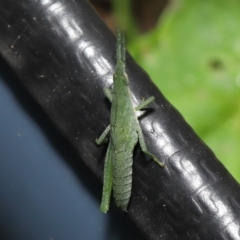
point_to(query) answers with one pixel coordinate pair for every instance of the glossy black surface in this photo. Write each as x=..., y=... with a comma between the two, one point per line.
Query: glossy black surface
x=64, y=55
x=45, y=191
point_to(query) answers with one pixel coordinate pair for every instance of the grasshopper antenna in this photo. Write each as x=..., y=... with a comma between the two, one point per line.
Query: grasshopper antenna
x=118, y=50
x=121, y=48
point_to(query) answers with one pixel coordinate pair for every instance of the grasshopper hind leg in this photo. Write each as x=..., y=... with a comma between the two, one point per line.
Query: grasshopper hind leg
x=107, y=182
x=144, y=147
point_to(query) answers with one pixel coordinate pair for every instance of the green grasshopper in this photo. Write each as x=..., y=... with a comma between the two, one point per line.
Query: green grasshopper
x=125, y=132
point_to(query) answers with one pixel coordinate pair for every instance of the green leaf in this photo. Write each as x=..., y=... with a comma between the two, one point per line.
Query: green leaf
x=193, y=56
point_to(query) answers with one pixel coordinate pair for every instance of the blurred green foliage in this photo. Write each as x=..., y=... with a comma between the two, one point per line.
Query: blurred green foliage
x=193, y=56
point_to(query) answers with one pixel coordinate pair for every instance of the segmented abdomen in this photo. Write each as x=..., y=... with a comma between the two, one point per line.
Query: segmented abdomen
x=122, y=179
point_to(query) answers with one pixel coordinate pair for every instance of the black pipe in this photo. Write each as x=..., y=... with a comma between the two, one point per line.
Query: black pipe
x=64, y=55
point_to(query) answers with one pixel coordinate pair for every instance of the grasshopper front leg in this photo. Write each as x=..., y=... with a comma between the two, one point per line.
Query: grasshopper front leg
x=108, y=93
x=144, y=103
x=103, y=138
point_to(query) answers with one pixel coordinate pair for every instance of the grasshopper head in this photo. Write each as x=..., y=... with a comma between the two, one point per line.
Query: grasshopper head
x=120, y=75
